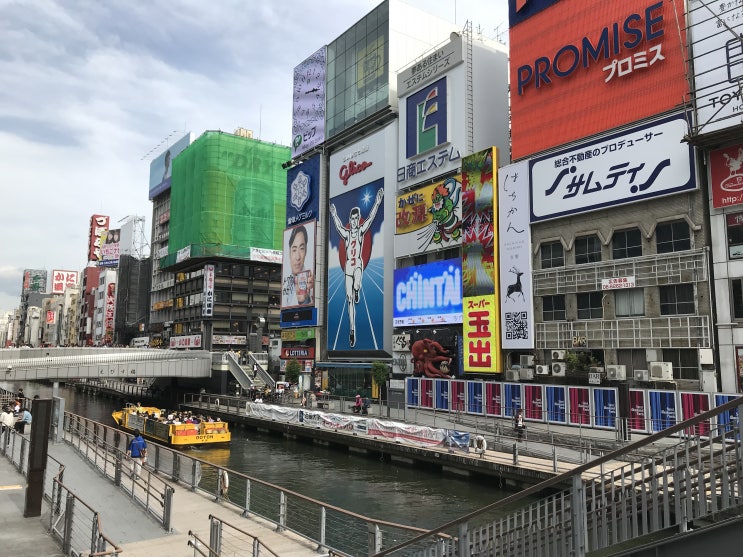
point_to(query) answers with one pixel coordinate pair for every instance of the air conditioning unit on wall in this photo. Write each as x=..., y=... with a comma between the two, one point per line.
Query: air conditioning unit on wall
x=559, y=369
x=661, y=371
x=543, y=370
x=526, y=374
x=558, y=354
x=616, y=372
x=642, y=375
x=526, y=361
x=512, y=375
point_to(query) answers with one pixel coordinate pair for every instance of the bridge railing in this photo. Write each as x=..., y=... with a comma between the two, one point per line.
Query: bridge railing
x=330, y=528
x=697, y=478
x=72, y=522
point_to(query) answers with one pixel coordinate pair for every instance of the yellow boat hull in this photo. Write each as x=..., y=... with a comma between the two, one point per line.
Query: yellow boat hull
x=176, y=435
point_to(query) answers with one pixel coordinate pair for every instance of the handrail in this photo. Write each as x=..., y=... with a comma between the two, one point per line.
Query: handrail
x=256, y=540
x=564, y=477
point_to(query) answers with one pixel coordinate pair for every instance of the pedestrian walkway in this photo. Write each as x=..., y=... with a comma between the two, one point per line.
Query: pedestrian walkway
x=122, y=521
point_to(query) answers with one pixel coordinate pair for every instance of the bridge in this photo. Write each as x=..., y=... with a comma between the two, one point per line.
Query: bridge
x=60, y=364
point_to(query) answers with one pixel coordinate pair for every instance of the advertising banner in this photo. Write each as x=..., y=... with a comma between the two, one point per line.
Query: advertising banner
x=579, y=399
x=533, y=402
x=493, y=399
x=727, y=420
x=108, y=321
x=356, y=269
x=235, y=340
x=412, y=388
x=426, y=390
x=579, y=67
x=693, y=404
x=110, y=248
x=514, y=233
x=429, y=218
x=512, y=399
x=605, y=407
x=649, y=160
x=51, y=317
x=479, y=326
x=308, y=103
x=186, y=341
x=161, y=167
x=298, y=268
x=62, y=280
x=457, y=396
x=555, y=395
x=98, y=227
x=303, y=192
x=475, y=397
x=662, y=409
x=442, y=394
x=34, y=280
x=717, y=60
x=638, y=411
x=428, y=294
x=726, y=175
x=207, y=308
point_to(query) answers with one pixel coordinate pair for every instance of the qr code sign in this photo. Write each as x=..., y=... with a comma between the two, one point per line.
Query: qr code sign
x=517, y=325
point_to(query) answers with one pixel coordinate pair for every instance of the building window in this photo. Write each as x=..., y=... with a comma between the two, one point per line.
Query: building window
x=553, y=308
x=672, y=236
x=737, y=290
x=552, y=255
x=735, y=235
x=626, y=243
x=676, y=299
x=587, y=250
x=685, y=362
x=589, y=305
x=629, y=302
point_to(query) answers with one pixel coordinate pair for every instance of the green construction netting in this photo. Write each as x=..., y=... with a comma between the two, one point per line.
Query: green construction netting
x=228, y=194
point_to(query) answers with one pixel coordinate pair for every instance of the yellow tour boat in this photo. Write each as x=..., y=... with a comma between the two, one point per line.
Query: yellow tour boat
x=148, y=420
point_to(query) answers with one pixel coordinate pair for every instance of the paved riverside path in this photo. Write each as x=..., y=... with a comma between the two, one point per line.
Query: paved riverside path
x=123, y=521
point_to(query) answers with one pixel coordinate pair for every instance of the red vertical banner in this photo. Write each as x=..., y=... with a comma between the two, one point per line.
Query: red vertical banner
x=426, y=393
x=693, y=404
x=534, y=403
x=481, y=325
x=580, y=406
x=457, y=396
x=637, y=411
x=493, y=399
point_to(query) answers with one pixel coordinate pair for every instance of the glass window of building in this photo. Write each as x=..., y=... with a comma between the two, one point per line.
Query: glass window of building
x=553, y=308
x=587, y=249
x=552, y=255
x=672, y=236
x=626, y=243
x=735, y=235
x=590, y=305
x=676, y=299
x=685, y=362
x=736, y=287
x=629, y=302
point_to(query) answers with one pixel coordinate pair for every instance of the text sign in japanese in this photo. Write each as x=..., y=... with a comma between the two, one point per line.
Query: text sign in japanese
x=616, y=283
x=481, y=347
x=207, y=309
x=647, y=161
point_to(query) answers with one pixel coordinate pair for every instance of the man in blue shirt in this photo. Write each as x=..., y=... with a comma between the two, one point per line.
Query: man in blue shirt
x=20, y=425
x=137, y=451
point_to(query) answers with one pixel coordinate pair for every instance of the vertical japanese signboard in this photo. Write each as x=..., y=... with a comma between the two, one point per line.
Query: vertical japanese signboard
x=207, y=309
x=481, y=320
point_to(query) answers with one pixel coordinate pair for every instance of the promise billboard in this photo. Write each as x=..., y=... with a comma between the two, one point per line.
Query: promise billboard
x=579, y=68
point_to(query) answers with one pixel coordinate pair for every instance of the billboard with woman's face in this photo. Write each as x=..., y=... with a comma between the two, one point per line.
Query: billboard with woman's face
x=298, y=266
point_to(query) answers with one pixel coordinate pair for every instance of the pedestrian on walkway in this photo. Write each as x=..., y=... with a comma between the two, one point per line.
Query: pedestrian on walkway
x=25, y=415
x=518, y=424
x=137, y=451
x=7, y=421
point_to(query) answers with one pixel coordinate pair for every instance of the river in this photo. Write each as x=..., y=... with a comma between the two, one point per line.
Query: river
x=379, y=489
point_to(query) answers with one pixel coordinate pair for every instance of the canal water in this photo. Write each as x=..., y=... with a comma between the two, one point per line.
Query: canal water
x=378, y=489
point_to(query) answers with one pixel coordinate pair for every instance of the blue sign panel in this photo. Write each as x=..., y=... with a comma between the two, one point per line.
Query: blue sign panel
x=442, y=394
x=474, y=397
x=605, y=407
x=412, y=391
x=428, y=294
x=303, y=192
x=511, y=398
x=662, y=409
x=555, y=404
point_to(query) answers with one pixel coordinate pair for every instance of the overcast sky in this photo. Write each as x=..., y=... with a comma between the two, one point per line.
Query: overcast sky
x=89, y=88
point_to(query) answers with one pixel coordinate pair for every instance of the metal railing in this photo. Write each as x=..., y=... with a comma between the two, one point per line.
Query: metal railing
x=72, y=522
x=330, y=528
x=227, y=539
x=696, y=479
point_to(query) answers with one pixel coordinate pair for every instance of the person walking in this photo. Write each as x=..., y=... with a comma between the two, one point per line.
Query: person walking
x=7, y=421
x=518, y=424
x=137, y=451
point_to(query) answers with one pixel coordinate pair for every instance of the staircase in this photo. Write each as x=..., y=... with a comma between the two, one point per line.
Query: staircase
x=244, y=374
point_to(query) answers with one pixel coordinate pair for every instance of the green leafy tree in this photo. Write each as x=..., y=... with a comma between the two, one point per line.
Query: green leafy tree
x=379, y=372
x=293, y=369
